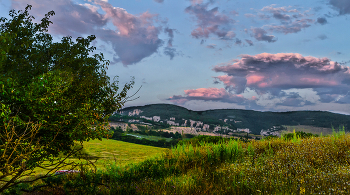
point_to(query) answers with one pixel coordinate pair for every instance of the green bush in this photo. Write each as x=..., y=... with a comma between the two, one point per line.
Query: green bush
x=298, y=134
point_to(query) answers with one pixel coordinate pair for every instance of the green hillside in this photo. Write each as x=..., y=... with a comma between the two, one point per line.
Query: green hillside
x=254, y=120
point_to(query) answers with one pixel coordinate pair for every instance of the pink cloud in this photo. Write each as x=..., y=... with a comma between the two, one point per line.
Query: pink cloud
x=272, y=73
x=252, y=79
x=207, y=94
x=131, y=25
x=319, y=81
x=227, y=80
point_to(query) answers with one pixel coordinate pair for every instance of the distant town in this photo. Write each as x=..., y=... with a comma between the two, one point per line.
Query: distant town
x=199, y=126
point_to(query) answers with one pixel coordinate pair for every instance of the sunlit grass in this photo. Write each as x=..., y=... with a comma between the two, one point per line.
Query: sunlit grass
x=316, y=165
x=107, y=152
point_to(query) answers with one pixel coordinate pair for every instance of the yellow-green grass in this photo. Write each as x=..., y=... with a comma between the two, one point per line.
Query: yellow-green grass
x=108, y=151
x=149, y=137
x=242, y=134
x=300, y=166
x=121, y=153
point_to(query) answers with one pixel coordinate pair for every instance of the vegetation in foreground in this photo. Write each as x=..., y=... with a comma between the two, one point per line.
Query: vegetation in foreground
x=106, y=152
x=287, y=165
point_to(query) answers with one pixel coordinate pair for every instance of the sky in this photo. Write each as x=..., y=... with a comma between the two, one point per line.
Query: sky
x=265, y=55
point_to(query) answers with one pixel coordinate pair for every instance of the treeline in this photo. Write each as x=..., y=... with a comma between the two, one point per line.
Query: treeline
x=119, y=134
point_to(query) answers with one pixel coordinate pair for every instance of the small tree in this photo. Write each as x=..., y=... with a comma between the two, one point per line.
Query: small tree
x=21, y=152
x=57, y=85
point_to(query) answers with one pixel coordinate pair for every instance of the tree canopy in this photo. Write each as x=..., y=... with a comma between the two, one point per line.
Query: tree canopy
x=59, y=85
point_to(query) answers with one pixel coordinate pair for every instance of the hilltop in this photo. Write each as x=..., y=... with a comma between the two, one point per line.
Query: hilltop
x=228, y=120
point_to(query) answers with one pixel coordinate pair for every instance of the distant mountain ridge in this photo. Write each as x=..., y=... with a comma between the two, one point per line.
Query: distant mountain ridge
x=255, y=121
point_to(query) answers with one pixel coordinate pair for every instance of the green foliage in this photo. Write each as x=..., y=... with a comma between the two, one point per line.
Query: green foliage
x=58, y=85
x=298, y=134
x=142, y=128
x=270, y=137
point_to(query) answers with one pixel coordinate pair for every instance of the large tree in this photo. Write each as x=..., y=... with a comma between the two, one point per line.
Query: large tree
x=57, y=85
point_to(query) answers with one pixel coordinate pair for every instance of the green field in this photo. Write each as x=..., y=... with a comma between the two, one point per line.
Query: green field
x=121, y=153
x=314, y=165
x=107, y=152
x=153, y=138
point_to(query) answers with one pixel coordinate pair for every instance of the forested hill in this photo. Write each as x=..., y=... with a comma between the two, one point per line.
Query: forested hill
x=236, y=118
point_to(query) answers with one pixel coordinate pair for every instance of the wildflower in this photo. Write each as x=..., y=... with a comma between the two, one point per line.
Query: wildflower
x=65, y=172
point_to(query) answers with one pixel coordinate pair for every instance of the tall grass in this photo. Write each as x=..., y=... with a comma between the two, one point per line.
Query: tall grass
x=315, y=165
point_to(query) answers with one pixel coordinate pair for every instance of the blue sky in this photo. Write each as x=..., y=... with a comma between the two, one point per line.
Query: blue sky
x=265, y=55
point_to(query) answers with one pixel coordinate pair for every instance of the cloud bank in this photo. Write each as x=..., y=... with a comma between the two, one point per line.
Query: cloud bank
x=135, y=36
x=273, y=74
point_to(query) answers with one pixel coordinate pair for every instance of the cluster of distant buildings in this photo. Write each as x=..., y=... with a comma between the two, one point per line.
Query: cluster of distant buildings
x=198, y=125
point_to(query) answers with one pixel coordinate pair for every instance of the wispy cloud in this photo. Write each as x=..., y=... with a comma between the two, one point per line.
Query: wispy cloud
x=322, y=37
x=289, y=20
x=261, y=35
x=250, y=42
x=159, y=1
x=210, y=21
x=291, y=27
x=211, y=46
x=294, y=99
x=169, y=50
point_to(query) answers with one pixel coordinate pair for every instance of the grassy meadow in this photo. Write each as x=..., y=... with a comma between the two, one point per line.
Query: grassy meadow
x=316, y=165
x=105, y=152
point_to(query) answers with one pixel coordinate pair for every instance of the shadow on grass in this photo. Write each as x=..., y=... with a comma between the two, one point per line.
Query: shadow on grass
x=82, y=154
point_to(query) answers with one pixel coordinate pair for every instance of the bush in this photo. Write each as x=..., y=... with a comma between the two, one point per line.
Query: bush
x=298, y=134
